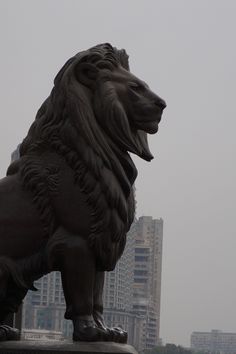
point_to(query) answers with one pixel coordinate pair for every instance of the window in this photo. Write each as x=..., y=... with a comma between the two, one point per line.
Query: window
x=140, y=272
x=140, y=280
x=141, y=250
x=141, y=258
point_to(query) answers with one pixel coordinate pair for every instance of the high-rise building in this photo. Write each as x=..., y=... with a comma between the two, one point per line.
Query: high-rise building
x=118, y=294
x=45, y=308
x=147, y=277
x=133, y=289
x=118, y=283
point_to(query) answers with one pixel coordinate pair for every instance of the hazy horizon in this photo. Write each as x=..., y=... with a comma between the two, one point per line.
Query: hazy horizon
x=185, y=51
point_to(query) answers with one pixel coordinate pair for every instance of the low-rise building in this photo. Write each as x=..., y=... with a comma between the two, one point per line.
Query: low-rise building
x=214, y=342
x=41, y=334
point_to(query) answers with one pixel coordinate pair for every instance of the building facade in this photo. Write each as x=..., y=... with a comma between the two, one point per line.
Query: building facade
x=41, y=335
x=118, y=283
x=118, y=294
x=44, y=309
x=214, y=342
x=147, y=278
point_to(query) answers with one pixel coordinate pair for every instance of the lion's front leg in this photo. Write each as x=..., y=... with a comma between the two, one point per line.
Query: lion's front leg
x=114, y=334
x=76, y=262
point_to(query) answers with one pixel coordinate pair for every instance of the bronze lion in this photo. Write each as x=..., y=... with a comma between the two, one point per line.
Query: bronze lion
x=67, y=203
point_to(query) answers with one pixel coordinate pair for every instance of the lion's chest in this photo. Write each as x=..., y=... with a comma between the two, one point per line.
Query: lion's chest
x=66, y=200
x=70, y=205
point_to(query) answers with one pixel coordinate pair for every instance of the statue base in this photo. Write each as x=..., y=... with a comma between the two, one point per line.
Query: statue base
x=64, y=347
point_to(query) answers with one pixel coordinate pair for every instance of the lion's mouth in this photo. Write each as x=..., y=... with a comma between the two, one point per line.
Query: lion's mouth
x=149, y=125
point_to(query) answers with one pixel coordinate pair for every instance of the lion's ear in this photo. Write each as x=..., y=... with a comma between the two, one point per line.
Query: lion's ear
x=86, y=74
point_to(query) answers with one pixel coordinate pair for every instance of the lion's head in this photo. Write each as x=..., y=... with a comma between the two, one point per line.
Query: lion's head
x=105, y=95
x=123, y=105
x=97, y=112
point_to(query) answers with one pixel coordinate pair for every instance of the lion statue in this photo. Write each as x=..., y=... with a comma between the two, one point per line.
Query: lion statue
x=67, y=201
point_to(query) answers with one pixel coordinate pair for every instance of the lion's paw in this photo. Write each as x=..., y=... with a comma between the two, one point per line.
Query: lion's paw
x=118, y=335
x=113, y=334
x=87, y=331
x=8, y=333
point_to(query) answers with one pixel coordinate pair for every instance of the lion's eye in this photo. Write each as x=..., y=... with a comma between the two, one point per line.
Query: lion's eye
x=135, y=86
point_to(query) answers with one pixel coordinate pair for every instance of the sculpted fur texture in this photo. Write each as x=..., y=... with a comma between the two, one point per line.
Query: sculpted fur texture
x=67, y=202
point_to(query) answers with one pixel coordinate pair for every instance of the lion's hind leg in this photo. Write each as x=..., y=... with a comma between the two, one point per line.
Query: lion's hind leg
x=12, y=291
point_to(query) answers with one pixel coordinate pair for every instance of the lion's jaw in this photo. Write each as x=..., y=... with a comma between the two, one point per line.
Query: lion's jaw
x=147, y=115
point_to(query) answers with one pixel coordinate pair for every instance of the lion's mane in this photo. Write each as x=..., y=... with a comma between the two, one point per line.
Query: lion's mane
x=67, y=124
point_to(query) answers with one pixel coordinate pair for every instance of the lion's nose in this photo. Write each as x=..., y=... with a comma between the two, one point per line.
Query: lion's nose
x=160, y=103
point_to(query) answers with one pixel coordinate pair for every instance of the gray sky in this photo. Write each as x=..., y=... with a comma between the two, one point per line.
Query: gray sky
x=185, y=51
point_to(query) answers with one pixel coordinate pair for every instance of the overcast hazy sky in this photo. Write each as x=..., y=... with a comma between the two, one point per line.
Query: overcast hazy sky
x=185, y=50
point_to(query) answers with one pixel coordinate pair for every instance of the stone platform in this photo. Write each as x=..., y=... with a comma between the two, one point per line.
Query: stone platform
x=64, y=347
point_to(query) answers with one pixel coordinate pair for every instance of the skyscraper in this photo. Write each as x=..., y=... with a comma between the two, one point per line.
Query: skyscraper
x=133, y=290
x=118, y=283
x=118, y=294
x=147, y=277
